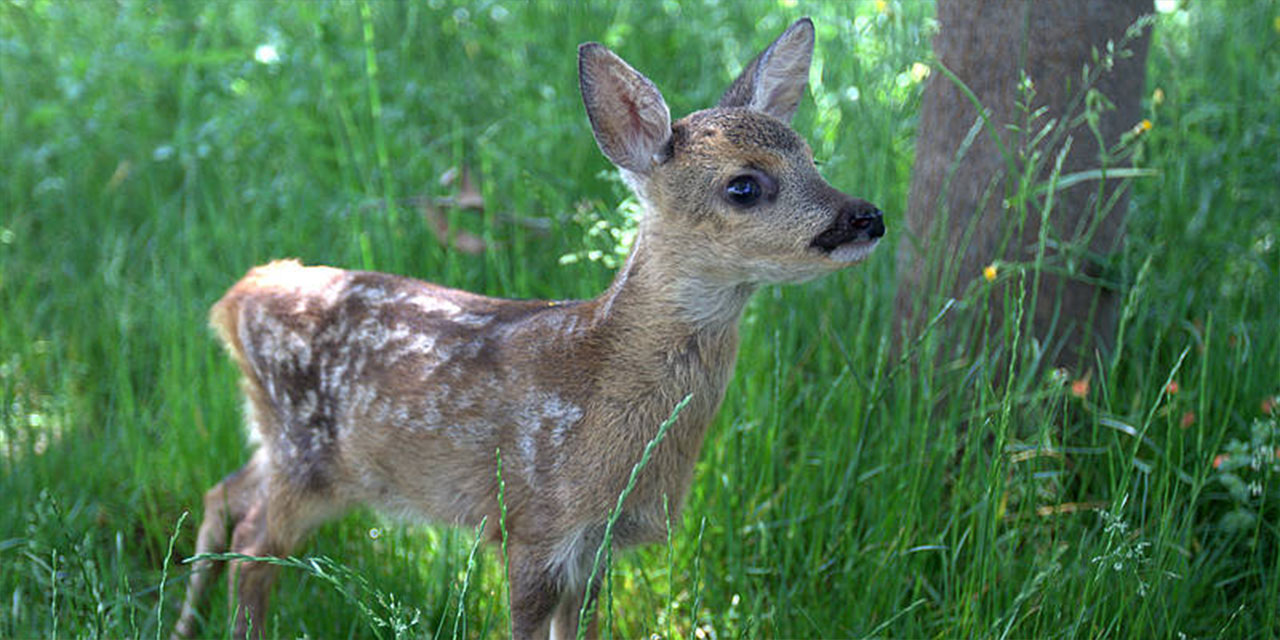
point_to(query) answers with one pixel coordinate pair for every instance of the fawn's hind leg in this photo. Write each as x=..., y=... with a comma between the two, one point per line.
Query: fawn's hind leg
x=273, y=526
x=225, y=506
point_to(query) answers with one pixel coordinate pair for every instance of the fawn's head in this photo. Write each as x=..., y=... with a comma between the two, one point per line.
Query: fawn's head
x=733, y=189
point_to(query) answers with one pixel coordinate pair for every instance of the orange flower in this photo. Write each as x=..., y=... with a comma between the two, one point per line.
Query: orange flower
x=1171, y=388
x=1080, y=388
x=1268, y=404
x=1188, y=419
x=1219, y=459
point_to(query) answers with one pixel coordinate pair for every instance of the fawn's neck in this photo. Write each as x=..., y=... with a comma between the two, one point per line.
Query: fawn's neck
x=671, y=331
x=662, y=290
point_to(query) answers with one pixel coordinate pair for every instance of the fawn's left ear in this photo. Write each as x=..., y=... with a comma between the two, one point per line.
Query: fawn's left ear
x=775, y=80
x=629, y=118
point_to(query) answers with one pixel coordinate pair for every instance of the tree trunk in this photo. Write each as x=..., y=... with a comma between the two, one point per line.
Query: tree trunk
x=963, y=213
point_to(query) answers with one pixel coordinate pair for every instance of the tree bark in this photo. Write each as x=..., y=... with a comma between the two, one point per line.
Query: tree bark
x=960, y=215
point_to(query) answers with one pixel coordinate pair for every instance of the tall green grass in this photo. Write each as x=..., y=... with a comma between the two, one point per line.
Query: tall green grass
x=150, y=159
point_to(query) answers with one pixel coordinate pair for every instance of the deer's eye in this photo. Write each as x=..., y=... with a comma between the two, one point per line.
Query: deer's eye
x=743, y=191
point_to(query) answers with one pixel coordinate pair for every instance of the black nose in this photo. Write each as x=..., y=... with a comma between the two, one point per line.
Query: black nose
x=870, y=222
x=857, y=221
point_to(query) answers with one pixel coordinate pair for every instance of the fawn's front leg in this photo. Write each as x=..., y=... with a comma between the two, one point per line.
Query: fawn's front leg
x=564, y=624
x=534, y=593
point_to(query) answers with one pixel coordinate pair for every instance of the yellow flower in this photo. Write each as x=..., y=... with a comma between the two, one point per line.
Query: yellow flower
x=990, y=272
x=1145, y=124
x=882, y=6
x=919, y=71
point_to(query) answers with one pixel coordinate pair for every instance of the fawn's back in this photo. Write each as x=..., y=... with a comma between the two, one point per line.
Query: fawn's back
x=377, y=389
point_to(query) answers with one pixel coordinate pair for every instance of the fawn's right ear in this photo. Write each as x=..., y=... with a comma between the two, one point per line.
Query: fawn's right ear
x=629, y=118
x=774, y=81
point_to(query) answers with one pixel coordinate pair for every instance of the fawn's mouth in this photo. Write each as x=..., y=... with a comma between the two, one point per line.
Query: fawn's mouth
x=854, y=233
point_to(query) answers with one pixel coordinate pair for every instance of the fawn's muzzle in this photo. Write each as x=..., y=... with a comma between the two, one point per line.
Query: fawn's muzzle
x=859, y=221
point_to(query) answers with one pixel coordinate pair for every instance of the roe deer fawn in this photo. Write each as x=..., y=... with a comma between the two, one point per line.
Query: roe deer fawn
x=381, y=390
